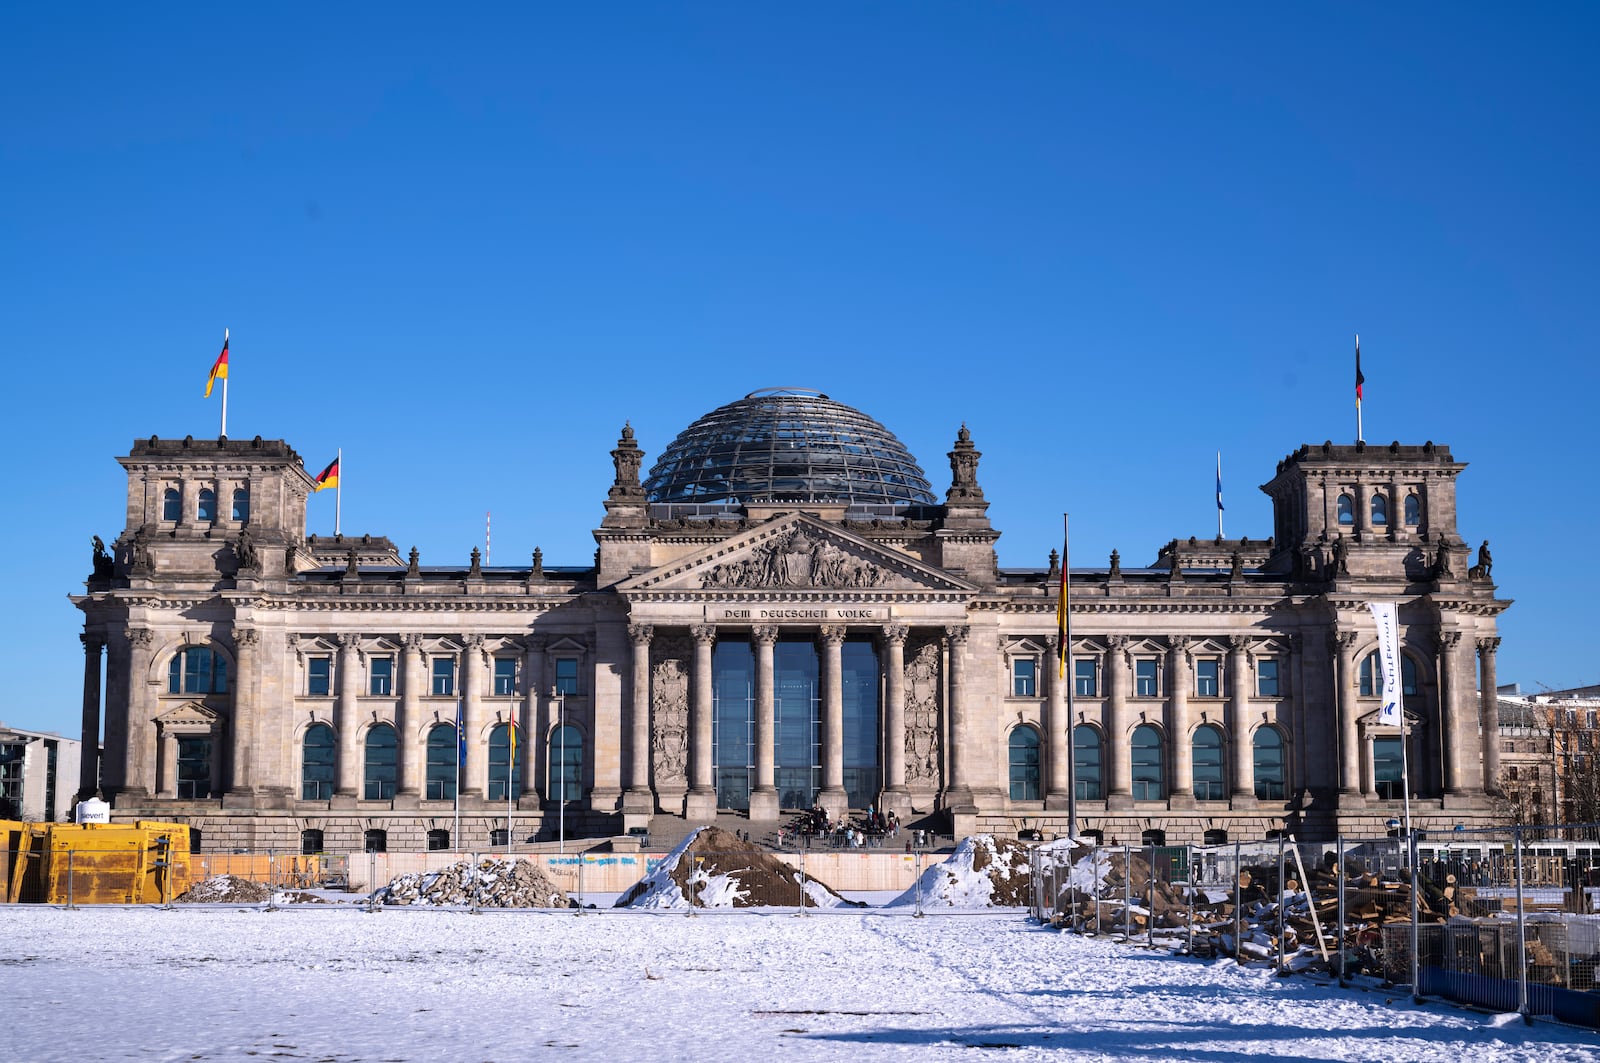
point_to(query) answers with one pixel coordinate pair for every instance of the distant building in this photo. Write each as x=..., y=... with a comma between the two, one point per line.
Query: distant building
x=38, y=774
x=1550, y=755
x=782, y=615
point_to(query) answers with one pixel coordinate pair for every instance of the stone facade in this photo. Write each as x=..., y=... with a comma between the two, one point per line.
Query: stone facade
x=262, y=683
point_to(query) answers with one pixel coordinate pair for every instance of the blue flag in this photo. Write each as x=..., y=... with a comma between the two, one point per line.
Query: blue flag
x=1219, y=481
x=461, y=738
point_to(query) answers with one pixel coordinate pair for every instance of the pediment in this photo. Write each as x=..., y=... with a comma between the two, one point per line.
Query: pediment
x=1369, y=721
x=189, y=718
x=795, y=553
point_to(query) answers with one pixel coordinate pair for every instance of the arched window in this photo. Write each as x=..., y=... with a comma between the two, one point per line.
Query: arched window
x=241, y=504
x=1371, y=676
x=194, y=768
x=443, y=762
x=1024, y=757
x=1147, y=765
x=438, y=840
x=1408, y=677
x=1208, y=781
x=566, y=764
x=1380, y=510
x=376, y=841
x=1347, y=510
x=501, y=769
x=381, y=766
x=171, y=504
x=310, y=842
x=1413, y=510
x=316, y=763
x=1086, y=763
x=206, y=511
x=1388, y=768
x=1267, y=751
x=197, y=670
x=1215, y=836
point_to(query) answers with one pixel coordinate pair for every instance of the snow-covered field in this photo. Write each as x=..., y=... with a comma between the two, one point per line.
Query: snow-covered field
x=336, y=984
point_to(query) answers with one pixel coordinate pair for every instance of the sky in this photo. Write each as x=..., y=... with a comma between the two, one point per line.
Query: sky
x=464, y=246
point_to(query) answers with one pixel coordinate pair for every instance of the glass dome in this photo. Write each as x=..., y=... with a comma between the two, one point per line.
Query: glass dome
x=792, y=445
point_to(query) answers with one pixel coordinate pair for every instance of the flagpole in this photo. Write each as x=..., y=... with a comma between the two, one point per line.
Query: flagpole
x=338, y=463
x=1360, y=435
x=224, y=431
x=1066, y=643
x=511, y=771
x=459, y=739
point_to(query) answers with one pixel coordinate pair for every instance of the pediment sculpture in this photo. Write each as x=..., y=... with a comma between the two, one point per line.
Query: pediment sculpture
x=797, y=560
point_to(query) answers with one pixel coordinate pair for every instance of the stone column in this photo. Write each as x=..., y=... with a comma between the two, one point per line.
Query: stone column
x=833, y=796
x=959, y=793
x=166, y=780
x=1241, y=774
x=1057, y=728
x=701, y=801
x=536, y=714
x=764, y=794
x=1490, y=710
x=476, y=779
x=638, y=799
x=348, y=774
x=139, y=753
x=1452, y=712
x=408, y=719
x=1179, y=683
x=1344, y=645
x=895, y=797
x=246, y=642
x=89, y=751
x=1118, y=766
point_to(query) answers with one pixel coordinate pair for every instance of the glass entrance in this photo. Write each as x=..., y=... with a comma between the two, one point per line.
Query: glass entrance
x=859, y=662
x=797, y=707
x=733, y=688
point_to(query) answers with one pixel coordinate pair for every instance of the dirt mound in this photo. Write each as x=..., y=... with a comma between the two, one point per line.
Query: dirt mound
x=226, y=889
x=983, y=872
x=712, y=868
x=487, y=884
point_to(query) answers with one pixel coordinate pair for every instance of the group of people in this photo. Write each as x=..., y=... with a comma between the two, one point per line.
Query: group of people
x=844, y=834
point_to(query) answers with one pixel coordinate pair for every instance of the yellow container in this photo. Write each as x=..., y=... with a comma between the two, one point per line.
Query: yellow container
x=97, y=863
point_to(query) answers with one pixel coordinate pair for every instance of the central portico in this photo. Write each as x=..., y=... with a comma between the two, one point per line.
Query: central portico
x=794, y=664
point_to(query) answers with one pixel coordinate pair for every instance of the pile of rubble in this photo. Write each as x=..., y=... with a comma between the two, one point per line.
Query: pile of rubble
x=226, y=889
x=712, y=868
x=488, y=884
x=983, y=872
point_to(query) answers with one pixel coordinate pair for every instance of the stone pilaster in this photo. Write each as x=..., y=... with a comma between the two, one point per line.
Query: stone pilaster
x=1350, y=776
x=1453, y=713
x=833, y=796
x=1241, y=774
x=1180, y=680
x=894, y=797
x=476, y=781
x=958, y=797
x=347, y=720
x=139, y=752
x=1489, y=709
x=89, y=749
x=408, y=719
x=1119, y=774
x=638, y=800
x=764, y=794
x=700, y=803
x=245, y=725
x=1057, y=729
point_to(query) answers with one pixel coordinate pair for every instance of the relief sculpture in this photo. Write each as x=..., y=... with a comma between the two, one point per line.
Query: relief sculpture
x=669, y=723
x=797, y=560
x=922, y=717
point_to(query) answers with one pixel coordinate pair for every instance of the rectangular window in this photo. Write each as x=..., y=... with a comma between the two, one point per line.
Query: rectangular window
x=1146, y=681
x=566, y=675
x=444, y=677
x=1267, y=677
x=382, y=676
x=1022, y=678
x=319, y=673
x=1206, y=684
x=1083, y=679
x=505, y=675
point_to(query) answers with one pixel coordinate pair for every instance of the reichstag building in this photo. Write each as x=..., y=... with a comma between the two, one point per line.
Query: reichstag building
x=782, y=614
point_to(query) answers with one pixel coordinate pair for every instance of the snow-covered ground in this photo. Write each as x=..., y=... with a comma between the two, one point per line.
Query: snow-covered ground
x=333, y=983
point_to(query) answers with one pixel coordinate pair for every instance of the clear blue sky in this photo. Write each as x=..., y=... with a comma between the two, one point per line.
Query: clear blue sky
x=465, y=244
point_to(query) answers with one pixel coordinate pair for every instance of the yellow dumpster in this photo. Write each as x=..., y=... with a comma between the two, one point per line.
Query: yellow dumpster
x=96, y=863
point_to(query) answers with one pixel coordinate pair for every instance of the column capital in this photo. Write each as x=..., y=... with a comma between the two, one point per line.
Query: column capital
x=246, y=636
x=1052, y=642
x=1449, y=640
x=1180, y=643
x=1117, y=643
x=95, y=643
x=473, y=641
x=765, y=634
x=534, y=643
x=412, y=641
x=640, y=634
x=1489, y=646
x=347, y=640
x=833, y=634
x=895, y=633
x=1342, y=641
x=704, y=633
x=1238, y=643
x=957, y=634
x=142, y=637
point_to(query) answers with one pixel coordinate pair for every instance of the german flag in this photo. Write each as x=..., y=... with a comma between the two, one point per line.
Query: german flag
x=328, y=477
x=1359, y=378
x=219, y=368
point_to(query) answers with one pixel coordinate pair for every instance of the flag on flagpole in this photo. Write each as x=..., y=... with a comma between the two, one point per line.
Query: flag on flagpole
x=1384, y=615
x=1061, y=605
x=219, y=368
x=1359, y=378
x=511, y=734
x=461, y=739
x=1219, y=481
x=328, y=477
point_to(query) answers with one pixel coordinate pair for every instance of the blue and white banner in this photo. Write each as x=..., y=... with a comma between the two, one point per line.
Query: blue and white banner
x=1389, y=658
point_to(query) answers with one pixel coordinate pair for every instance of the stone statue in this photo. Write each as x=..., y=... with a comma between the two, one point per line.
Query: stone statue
x=1485, y=563
x=1236, y=571
x=475, y=565
x=627, y=458
x=1116, y=565
x=350, y=569
x=1341, y=556
x=413, y=566
x=1441, y=565
x=964, y=470
x=102, y=560
x=245, y=550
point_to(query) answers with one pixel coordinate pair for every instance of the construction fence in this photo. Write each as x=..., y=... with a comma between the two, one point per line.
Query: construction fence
x=1507, y=919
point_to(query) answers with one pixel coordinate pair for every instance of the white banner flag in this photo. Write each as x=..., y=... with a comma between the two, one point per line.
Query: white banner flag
x=1389, y=659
